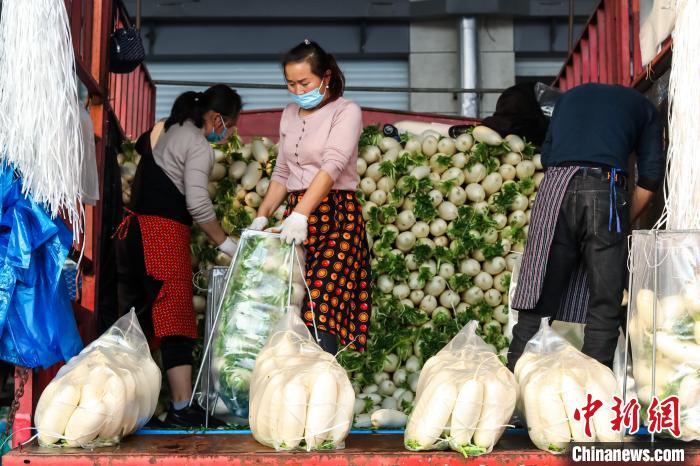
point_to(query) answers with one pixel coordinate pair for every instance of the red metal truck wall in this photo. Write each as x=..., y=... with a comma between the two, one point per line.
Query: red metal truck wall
x=266, y=122
x=608, y=49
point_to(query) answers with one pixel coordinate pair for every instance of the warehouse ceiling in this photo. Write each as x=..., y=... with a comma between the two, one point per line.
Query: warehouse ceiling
x=193, y=10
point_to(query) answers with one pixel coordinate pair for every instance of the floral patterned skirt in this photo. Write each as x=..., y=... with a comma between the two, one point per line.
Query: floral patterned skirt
x=337, y=268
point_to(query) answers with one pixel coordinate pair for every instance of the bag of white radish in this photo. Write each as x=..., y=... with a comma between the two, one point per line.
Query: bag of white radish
x=555, y=379
x=670, y=260
x=464, y=399
x=301, y=399
x=264, y=278
x=106, y=392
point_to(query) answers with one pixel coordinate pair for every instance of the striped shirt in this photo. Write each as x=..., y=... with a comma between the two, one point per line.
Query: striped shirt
x=545, y=212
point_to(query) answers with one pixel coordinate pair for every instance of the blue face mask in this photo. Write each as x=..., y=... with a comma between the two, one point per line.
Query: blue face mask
x=309, y=100
x=213, y=136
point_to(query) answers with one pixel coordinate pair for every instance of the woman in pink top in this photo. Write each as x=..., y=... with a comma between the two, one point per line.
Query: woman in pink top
x=316, y=173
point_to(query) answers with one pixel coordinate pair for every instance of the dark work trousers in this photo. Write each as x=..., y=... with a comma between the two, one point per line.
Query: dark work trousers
x=583, y=233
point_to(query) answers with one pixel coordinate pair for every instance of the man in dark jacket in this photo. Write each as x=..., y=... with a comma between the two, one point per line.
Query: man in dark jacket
x=574, y=264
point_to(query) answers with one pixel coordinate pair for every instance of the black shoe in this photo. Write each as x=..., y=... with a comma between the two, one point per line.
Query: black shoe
x=191, y=417
x=155, y=423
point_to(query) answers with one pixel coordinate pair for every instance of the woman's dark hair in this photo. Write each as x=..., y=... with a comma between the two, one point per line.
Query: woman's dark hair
x=320, y=62
x=193, y=105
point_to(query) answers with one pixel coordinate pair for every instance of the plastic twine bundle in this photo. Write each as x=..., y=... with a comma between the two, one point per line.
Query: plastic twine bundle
x=682, y=188
x=40, y=133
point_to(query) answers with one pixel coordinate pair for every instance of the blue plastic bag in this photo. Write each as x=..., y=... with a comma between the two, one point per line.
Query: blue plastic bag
x=37, y=325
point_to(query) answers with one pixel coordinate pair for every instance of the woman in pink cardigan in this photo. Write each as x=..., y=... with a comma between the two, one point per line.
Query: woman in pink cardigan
x=316, y=173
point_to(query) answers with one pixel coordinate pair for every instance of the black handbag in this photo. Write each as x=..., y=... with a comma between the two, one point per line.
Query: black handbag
x=126, y=50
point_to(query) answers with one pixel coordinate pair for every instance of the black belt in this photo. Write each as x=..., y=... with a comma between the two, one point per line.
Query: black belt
x=604, y=173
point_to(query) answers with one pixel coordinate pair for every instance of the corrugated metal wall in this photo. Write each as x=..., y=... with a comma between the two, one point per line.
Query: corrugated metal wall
x=388, y=73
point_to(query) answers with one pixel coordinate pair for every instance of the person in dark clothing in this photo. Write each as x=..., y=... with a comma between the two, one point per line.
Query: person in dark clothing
x=518, y=112
x=573, y=266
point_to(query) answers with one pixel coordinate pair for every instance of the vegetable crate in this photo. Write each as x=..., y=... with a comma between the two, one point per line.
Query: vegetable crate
x=264, y=278
x=664, y=322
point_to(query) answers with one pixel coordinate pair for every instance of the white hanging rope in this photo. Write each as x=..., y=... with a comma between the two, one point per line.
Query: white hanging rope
x=40, y=131
x=682, y=187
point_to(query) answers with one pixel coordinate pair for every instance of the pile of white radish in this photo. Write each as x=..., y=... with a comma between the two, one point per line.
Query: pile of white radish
x=300, y=396
x=555, y=379
x=108, y=391
x=429, y=256
x=465, y=398
x=677, y=362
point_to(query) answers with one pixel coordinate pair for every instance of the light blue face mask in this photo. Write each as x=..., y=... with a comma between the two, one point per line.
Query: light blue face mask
x=309, y=100
x=213, y=136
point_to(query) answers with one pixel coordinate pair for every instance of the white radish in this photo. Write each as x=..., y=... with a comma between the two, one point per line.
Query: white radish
x=470, y=267
x=368, y=186
x=378, y=197
x=388, y=419
x=420, y=229
x=293, y=415
x=447, y=211
x=459, y=160
x=484, y=281
x=361, y=166
x=218, y=172
x=507, y=171
x=438, y=227
x=475, y=173
x=515, y=143
x=252, y=176
x=492, y=183
x=525, y=169
x=555, y=423
x=475, y=192
x=453, y=174
x=429, y=146
x=511, y=158
x=344, y=412
x=322, y=406
x=493, y=297
x=370, y=153
x=373, y=172
x=237, y=170
x=574, y=398
x=487, y=136
x=447, y=146
x=390, y=402
x=464, y=142
x=496, y=411
x=465, y=416
x=431, y=413
x=435, y=197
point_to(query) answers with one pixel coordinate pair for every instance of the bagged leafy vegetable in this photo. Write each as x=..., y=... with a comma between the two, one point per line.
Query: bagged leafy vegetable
x=264, y=278
x=104, y=393
x=301, y=398
x=554, y=380
x=665, y=301
x=464, y=399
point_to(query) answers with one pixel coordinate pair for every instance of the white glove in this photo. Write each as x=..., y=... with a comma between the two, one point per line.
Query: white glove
x=228, y=247
x=258, y=224
x=295, y=228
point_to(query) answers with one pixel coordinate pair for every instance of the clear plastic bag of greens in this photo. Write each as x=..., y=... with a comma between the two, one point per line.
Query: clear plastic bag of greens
x=265, y=277
x=664, y=322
